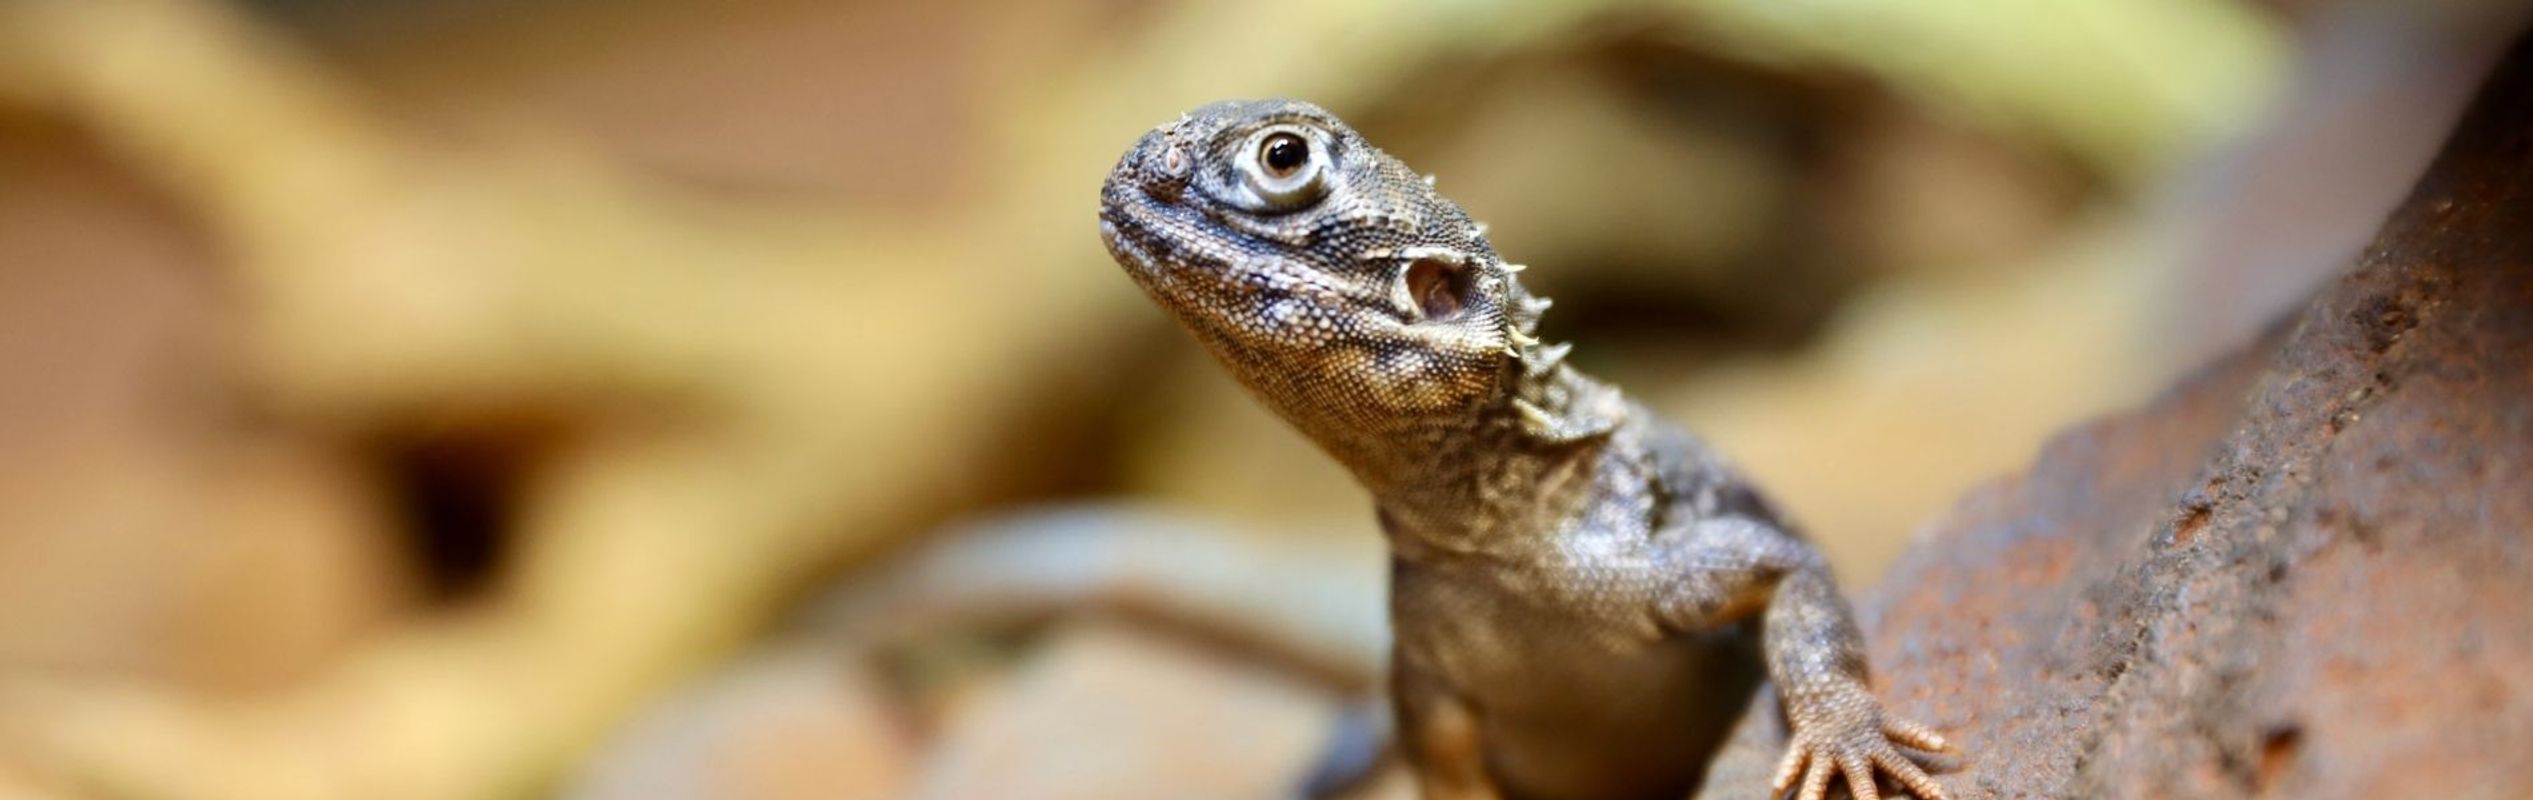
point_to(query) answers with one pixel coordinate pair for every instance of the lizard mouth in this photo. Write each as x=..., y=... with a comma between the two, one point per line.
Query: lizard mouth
x=1137, y=238
x=1128, y=224
x=1142, y=233
x=1130, y=242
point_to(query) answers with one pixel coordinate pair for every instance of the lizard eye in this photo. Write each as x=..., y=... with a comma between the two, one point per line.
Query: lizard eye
x=1283, y=154
x=1286, y=171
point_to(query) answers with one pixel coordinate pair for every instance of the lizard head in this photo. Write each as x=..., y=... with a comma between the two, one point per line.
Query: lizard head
x=1329, y=277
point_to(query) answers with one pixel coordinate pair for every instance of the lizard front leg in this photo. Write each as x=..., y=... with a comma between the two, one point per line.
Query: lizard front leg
x=1730, y=566
x=1439, y=734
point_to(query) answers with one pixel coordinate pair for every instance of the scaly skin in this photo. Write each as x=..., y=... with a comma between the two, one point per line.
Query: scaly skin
x=1575, y=581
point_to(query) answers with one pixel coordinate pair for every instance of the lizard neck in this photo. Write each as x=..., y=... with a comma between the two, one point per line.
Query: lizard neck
x=1498, y=476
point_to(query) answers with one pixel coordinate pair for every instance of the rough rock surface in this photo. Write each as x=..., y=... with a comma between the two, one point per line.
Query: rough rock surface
x=2300, y=573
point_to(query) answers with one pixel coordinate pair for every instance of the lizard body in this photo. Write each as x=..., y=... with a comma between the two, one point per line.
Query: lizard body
x=1583, y=597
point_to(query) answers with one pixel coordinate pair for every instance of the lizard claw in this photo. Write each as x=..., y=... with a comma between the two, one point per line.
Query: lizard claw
x=1855, y=752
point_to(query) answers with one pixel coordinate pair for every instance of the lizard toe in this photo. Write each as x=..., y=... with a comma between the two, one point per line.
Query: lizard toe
x=1788, y=768
x=1859, y=772
x=1909, y=774
x=1912, y=734
x=1816, y=782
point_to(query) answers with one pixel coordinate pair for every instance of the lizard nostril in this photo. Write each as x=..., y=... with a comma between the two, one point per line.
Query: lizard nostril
x=1155, y=165
x=1156, y=154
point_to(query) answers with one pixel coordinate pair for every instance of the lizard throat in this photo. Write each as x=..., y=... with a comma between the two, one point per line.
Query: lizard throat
x=1433, y=478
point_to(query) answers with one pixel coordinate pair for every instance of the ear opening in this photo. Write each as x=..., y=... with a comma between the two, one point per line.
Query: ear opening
x=1438, y=289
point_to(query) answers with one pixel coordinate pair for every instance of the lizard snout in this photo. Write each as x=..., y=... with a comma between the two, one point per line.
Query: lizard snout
x=1156, y=164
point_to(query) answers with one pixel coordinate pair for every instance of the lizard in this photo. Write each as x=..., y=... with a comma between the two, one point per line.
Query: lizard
x=1583, y=596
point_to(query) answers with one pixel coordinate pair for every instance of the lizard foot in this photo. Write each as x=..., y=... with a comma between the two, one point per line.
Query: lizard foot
x=1856, y=750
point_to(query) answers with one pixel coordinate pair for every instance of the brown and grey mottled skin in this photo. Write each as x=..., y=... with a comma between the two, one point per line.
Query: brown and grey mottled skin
x=1576, y=584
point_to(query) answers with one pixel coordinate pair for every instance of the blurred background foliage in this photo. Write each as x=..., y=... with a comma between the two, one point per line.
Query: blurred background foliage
x=455, y=398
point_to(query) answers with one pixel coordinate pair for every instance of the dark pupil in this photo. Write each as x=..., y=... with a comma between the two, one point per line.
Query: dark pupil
x=1285, y=153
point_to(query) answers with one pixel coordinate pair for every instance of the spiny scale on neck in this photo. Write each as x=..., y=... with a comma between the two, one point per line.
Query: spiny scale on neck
x=1555, y=403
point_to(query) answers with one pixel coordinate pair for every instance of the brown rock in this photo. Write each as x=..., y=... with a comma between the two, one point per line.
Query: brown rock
x=798, y=721
x=1107, y=711
x=2298, y=574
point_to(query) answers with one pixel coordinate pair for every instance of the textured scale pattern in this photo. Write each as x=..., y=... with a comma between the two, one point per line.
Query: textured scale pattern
x=1584, y=598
